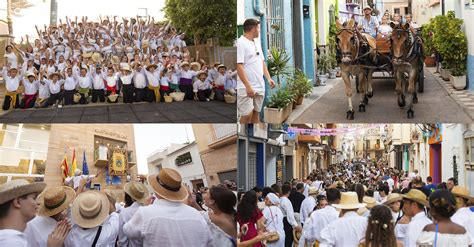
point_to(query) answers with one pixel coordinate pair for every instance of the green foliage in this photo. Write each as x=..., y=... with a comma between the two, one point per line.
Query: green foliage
x=281, y=98
x=204, y=19
x=450, y=42
x=300, y=85
x=427, y=35
x=332, y=44
x=324, y=63
x=278, y=64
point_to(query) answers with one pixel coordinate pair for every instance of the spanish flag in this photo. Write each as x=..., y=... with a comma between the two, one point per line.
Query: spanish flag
x=64, y=167
x=74, y=164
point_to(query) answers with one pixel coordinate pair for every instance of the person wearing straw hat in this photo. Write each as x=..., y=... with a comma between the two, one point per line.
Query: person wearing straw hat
x=186, y=76
x=369, y=23
x=350, y=225
x=153, y=76
x=76, y=179
x=70, y=85
x=365, y=211
x=138, y=194
x=463, y=212
x=274, y=220
x=394, y=203
x=12, y=80
x=321, y=218
x=84, y=81
x=168, y=221
x=125, y=77
x=195, y=66
x=53, y=208
x=55, y=85
x=31, y=91
x=95, y=222
x=98, y=85
x=201, y=87
x=111, y=85
x=18, y=205
x=414, y=203
x=140, y=83
x=219, y=82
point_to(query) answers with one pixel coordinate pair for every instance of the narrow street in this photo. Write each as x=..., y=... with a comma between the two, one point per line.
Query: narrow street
x=435, y=105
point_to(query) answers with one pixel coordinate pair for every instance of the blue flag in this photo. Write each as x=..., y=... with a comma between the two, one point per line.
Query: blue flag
x=85, y=168
x=107, y=176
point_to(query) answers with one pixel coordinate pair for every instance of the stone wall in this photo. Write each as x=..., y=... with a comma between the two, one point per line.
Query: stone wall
x=219, y=160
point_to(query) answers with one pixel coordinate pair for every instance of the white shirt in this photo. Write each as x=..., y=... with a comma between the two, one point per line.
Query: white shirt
x=111, y=81
x=166, y=223
x=318, y=184
x=348, y=230
x=306, y=191
x=85, y=237
x=390, y=183
x=11, y=83
x=307, y=207
x=318, y=221
x=97, y=81
x=274, y=223
x=153, y=78
x=84, y=82
x=70, y=83
x=250, y=54
x=30, y=87
x=43, y=90
x=288, y=212
x=218, y=236
x=126, y=79
x=414, y=229
x=38, y=229
x=77, y=179
x=55, y=87
x=139, y=79
x=199, y=85
x=12, y=59
x=13, y=238
x=125, y=215
x=462, y=215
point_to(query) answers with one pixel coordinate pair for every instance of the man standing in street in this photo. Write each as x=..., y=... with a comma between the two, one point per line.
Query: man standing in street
x=251, y=68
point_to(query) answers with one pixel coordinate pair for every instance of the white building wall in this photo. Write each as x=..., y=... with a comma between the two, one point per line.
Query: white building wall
x=270, y=170
x=188, y=172
x=453, y=139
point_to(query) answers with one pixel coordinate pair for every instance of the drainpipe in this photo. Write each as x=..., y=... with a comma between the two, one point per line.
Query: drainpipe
x=442, y=7
x=263, y=27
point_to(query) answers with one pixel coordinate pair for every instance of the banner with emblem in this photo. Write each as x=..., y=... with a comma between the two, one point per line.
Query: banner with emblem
x=119, y=164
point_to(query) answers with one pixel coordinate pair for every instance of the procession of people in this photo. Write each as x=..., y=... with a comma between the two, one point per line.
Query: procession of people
x=160, y=211
x=83, y=61
x=359, y=203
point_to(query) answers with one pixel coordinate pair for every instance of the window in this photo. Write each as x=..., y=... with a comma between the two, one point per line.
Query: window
x=469, y=151
x=396, y=11
x=184, y=159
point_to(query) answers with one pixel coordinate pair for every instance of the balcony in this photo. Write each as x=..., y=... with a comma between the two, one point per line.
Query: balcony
x=309, y=139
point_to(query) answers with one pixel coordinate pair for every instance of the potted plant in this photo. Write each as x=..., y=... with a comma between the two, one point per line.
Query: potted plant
x=279, y=106
x=428, y=46
x=300, y=86
x=323, y=69
x=332, y=65
x=278, y=64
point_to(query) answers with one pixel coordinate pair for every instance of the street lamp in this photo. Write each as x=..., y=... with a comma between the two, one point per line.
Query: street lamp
x=455, y=151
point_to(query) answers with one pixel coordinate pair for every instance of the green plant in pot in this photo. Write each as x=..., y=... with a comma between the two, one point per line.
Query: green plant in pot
x=278, y=64
x=300, y=86
x=324, y=65
x=429, y=50
x=281, y=98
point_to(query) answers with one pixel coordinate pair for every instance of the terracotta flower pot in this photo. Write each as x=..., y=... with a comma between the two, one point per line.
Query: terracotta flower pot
x=430, y=61
x=299, y=100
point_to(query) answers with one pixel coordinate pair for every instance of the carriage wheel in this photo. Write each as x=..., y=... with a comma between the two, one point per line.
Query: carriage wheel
x=421, y=81
x=357, y=83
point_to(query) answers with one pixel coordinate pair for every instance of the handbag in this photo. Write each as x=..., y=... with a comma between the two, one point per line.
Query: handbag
x=274, y=236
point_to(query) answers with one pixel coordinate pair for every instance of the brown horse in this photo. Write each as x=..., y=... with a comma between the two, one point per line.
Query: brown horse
x=406, y=58
x=353, y=47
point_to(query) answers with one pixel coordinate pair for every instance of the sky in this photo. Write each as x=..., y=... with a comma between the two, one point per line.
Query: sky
x=151, y=137
x=92, y=8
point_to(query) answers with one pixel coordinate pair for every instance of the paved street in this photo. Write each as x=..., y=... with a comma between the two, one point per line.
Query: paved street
x=435, y=105
x=176, y=112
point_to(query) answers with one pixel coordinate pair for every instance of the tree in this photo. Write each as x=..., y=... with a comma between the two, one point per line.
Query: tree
x=204, y=19
x=13, y=8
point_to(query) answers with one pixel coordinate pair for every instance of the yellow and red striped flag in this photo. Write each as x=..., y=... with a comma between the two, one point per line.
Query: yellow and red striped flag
x=74, y=164
x=64, y=167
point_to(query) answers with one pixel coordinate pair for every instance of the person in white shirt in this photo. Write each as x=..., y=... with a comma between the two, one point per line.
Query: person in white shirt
x=153, y=77
x=414, y=203
x=95, y=222
x=251, y=68
x=289, y=220
x=220, y=81
x=54, y=205
x=12, y=81
x=55, y=89
x=125, y=78
x=136, y=195
x=84, y=81
x=321, y=218
x=76, y=179
x=31, y=91
x=201, y=87
x=463, y=213
x=18, y=205
x=186, y=77
x=168, y=221
x=308, y=204
x=70, y=85
x=140, y=83
x=350, y=225
x=380, y=228
x=274, y=219
x=98, y=84
x=111, y=85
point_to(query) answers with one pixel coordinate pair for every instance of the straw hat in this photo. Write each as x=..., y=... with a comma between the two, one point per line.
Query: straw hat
x=137, y=191
x=312, y=190
x=151, y=65
x=87, y=55
x=54, y=73
x=91, y=41
x=113, y=97
x=196, y=64
x=96, y=57
x=416, y=196
x=349, y=200
x=145, y=44
x=167, y=184
x=370, y=201
x=221, y=66
x=115, y=60
x=126, y=67
x=17, y=188
x=461, y=192
x=184, y=64
x=30, y=74
x=90, y=209
x=165, y=54
x=54, y=200
x=367, y=7
x=296, y=236
x=199, y=73
x=391, y=198
x=77, y=97
x=13, y=67
x=77, y=172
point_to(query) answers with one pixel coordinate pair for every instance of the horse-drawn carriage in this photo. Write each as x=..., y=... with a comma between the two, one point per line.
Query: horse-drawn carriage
x=400, y=56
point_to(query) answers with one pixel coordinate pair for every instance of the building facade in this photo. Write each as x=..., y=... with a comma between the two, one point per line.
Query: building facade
x=217, y=146
x=185, y=159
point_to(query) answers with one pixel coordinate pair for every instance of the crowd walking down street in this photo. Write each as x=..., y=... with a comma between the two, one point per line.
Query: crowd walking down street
x=365, y=203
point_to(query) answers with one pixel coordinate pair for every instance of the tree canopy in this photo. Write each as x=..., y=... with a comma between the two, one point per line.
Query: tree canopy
x=204, y=19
